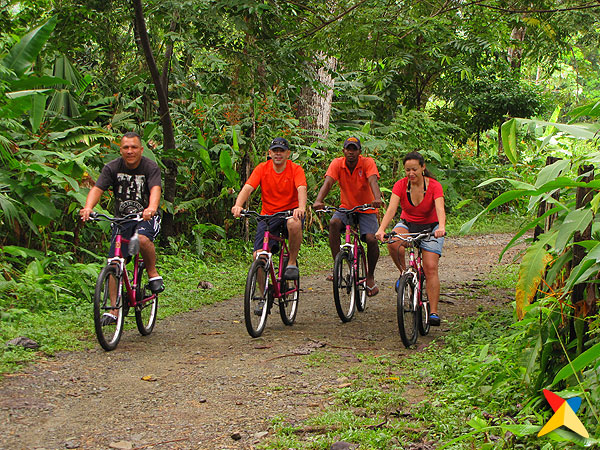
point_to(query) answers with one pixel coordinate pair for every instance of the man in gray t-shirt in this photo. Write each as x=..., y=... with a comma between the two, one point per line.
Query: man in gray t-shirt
x=135, y=182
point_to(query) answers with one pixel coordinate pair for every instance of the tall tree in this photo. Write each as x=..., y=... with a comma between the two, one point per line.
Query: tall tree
x=161, y=87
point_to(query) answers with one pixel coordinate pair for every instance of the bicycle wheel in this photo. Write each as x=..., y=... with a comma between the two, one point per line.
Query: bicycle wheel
x=108, y=332
x=256, y=301
x=288, y=303
x=407, y=314
x=145, y=310
x=344, y=289
x=423, y=319
x=361, y=281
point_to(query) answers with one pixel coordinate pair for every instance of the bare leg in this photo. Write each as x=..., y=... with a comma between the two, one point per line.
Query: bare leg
x=149, y=255
x=335, y=226
x=430, y=267
x=397, y=252
x=372, y=258
x=294, y=227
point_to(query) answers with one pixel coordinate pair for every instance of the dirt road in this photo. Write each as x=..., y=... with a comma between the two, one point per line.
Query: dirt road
x=208, y=384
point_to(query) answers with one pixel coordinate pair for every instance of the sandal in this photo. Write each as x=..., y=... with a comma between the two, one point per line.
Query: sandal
x=372, y=291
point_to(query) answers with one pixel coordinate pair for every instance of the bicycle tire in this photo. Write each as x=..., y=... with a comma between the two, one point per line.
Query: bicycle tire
x=361, y=281
x=288, y=303
x=423, y=319
x=257, y=286
x=145, y=312
x=344, y=287
x=108, y=335
x=406, y=312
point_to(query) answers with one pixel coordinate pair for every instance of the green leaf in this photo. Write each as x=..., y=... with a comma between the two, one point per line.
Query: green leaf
x=551, y=172
x=587, y=267
x=38, y=107
x=226, y=165
x=235, y=146
x=509, y=140
x=42, y=205
x=531, y=271
x=22, y=252
x=576, y=220
x=23, y=53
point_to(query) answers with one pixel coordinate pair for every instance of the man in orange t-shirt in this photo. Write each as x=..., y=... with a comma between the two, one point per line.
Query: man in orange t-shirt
x=357, y=176
x=283, y=187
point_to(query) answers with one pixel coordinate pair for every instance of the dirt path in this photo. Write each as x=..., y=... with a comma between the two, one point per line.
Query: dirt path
x=214, y=387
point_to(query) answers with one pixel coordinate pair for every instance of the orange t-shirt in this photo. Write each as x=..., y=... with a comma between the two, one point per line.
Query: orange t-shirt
x=279, y=191
x=355, y=189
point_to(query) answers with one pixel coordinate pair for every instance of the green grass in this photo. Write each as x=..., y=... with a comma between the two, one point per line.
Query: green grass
x=470, y=381
x=487, y=224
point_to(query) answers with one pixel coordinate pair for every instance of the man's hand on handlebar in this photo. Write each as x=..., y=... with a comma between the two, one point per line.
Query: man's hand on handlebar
x=148, y=213
x=236, y=211
x=299, y=213
x=84, y=213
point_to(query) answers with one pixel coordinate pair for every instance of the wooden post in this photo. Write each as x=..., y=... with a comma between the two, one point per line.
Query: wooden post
x=582, y=306
x=544, y=206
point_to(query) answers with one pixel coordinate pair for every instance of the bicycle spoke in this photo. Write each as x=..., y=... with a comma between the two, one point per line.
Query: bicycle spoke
x=257, y=298
x=344, y=288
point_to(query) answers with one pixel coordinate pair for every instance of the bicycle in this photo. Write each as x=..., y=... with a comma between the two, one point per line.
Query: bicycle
x=115, y=292
x=266, y=283
x=411, y=301
x=350, y=267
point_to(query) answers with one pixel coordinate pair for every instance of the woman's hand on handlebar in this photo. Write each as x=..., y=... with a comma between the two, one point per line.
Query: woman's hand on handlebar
x=380, y=235
x=440, y=232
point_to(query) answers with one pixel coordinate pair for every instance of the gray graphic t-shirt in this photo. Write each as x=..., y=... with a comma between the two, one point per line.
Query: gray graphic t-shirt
x=131, y=187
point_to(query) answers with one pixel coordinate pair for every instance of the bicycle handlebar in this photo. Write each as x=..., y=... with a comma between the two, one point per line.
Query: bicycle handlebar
x=365, y=207
x=134, y=217
x=408, y=237
x=257, y=216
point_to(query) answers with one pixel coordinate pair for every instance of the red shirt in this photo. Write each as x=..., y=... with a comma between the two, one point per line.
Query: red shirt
x=279, y=191
x=424, y=212
x=355, y=189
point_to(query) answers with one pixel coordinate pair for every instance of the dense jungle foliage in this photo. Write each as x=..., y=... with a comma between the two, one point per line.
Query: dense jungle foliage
x=487, y=90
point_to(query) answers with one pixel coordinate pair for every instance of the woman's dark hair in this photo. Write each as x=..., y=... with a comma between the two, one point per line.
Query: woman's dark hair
x=418, y=157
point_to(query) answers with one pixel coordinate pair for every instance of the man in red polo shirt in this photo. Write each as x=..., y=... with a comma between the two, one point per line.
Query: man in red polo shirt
x=283, y=188
x=357, y=176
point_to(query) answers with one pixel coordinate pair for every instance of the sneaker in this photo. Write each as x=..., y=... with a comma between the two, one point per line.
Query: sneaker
x=434, y=320
x=156, y=285
x=291, y=273
x=259, y=308
x=108, y=319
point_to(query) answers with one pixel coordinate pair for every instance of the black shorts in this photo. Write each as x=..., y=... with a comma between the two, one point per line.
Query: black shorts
x=277, y=225
x=149, y=228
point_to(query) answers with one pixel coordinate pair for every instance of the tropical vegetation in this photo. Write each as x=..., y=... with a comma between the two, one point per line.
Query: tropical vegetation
x=488, y=91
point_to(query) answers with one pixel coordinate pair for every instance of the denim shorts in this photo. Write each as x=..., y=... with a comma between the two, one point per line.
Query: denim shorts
x=433, y=245
x=367, y=223
x=149, y=228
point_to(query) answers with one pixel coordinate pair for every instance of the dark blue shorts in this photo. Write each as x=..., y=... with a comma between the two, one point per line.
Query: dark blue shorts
x=149, y=228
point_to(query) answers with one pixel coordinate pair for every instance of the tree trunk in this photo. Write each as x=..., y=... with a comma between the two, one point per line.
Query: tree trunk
x=515, y=53
x=170, y=185
x=314, y=106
